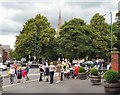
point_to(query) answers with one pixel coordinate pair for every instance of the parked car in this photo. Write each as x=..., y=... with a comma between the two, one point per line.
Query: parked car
x=87, y=63
x=33, y=64
x=3, y=67
x=23, y=63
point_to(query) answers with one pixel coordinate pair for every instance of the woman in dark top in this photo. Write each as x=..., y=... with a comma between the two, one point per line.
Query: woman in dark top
x=19, y=74
x=41, y=69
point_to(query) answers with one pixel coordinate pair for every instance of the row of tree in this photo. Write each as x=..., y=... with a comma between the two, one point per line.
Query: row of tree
x=77, y=39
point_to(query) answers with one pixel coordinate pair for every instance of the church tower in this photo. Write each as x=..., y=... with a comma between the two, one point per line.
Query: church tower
x=59, y=24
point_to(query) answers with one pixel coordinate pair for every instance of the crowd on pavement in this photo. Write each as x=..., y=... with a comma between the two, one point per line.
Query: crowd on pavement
x=54, y=73
x=64, y=69
x=18, y=71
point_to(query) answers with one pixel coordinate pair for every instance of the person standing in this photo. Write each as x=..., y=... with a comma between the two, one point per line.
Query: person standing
x=58, y=72
x=19, y=74
x=67, y=71
x=76, y=67
x=47, y=73
x=27, y=71
x=62, y=73
x=24, y=75
x=12, y=74
x=41, y=70
x=52, y=70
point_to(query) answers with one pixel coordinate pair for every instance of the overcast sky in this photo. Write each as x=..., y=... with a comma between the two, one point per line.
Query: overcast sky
x=14, y=13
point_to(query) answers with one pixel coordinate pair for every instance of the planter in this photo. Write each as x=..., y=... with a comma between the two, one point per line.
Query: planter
x=1, y=83
x=82, y=76
x=95, y=79
x=112, y=88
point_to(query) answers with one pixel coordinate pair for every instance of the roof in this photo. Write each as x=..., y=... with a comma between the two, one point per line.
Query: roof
x=6, y=47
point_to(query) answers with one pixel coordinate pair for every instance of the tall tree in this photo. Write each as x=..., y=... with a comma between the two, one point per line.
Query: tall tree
x=101, y=36
x=35, y=37
x=74, y=40
x=117, y=30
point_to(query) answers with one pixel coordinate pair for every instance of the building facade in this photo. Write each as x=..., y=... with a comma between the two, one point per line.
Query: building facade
x=4, y=52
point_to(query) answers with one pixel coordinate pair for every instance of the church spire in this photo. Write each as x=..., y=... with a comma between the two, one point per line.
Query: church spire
x=59, y=24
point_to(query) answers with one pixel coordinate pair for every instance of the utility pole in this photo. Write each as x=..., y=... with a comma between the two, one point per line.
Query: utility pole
x=111, y=32
x=35, y=44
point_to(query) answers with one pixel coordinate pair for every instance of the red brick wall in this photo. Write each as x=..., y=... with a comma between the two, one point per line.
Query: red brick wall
x=115, y=61
x=5, y=54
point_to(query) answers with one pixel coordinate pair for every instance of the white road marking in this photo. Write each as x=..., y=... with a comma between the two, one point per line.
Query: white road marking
x=33, y=74
x=28, y=75
x=19, y=83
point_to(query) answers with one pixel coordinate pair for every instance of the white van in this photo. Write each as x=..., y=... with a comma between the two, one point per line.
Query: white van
x=3, y=67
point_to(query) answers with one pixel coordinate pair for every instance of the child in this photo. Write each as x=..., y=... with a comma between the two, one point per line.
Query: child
x=24, y=73
x=19, y=74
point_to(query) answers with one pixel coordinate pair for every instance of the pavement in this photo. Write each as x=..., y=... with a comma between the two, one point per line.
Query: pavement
x=33, y=74
x=66, y=86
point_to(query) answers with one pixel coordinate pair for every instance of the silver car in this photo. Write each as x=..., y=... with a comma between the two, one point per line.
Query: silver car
x=3, y=67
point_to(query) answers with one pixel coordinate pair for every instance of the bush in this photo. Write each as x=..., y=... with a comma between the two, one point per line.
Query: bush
x=91, y=65
x=81, y=70
x=94, y=72
x=64, y=67
x=111, y=76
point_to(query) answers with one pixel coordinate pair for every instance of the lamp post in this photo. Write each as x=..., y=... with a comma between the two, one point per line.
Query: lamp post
x=111, y=45
x=111, y=37
x=111, y=32
x=35, y=44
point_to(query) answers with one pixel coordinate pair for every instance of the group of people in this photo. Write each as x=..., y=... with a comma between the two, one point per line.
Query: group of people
x=51, y=72
x=19, y=72
x=56, y=72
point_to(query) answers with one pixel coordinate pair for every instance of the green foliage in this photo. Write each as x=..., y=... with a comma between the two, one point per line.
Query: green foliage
x=14, y=55
x=36, y=32
x=81, y=70
x=100, y=36
x=74, y=40
x=91, y=65
x=111, y=76
x=64, y=67
x=116, y=30
x=94, y=72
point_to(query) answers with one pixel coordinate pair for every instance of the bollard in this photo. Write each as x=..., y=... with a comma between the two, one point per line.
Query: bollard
x=1, y=83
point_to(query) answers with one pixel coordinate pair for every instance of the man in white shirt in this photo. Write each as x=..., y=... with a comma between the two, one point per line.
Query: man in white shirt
x=12, y=74
x=52, y=70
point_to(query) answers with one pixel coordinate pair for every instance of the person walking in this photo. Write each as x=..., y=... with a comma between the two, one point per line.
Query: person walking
x=67, y=71
x=27, y=71
x=62, y=73
x=19, y=74
x=47, y=73
x=12, y=74
x=76, y=67
x=41, y=70
x=58, y=72
x=24, y=73
x=52, y=70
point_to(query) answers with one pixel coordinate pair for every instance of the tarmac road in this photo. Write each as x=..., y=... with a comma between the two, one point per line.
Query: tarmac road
x=66, y=86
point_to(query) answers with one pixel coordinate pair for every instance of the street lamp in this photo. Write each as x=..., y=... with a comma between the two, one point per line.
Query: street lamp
x=111, y=31
x=35, y=44
x=111, y=45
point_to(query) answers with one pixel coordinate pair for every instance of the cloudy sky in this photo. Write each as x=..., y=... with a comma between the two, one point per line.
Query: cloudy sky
x=14, y=13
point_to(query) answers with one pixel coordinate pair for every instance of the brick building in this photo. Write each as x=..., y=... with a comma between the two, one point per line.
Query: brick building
x=4, y=52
